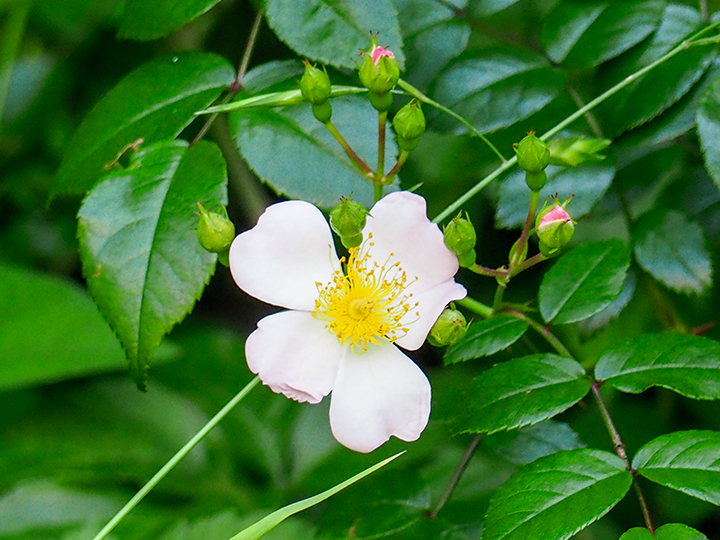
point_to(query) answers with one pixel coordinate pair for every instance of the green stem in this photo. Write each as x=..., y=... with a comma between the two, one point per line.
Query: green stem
x=417, y=94
x=125, y=510
x=382, y=122
x=497, y=301
x=528, y=263
x=485, y=271
x=475, y=306
x=545, y=332
x=453, y=207
x=389, y=177
x=357, y=160
x=457, y=475
x=532, y=210
x=378, y=191
x=10, y=45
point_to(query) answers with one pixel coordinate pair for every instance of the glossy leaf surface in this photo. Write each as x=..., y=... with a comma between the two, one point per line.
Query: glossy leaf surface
x=152, y=20
x=521, y=392
x=669, y=531
x=529, y=443
x=688, y=461
x=154, y=102
x=584, y=281
x=556, y=496
x=486, y=337
x=141, y=258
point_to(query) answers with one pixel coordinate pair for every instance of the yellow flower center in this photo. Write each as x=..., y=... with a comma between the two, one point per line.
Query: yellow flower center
x=367, y=303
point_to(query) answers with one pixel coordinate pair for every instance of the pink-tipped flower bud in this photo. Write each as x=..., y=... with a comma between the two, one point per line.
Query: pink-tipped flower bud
x=554, y=227
x=450, y=328
x=379, y=73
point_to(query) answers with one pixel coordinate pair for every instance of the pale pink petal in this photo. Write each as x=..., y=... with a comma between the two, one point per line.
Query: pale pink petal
x=378, y=394
x=280, y=260
x=294, y=354
x=422, y=317
x=400, y=227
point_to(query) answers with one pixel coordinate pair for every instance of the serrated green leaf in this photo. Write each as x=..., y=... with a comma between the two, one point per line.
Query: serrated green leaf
x=578, y=33
x=672, y=249
x=334, y=32
x=587, y=182
x=584, y=281
x=688, y=461
x=141, y=258
x=432, y=36
x=521, y=392
x=151, y=20
x=37, y=313
x=156, y=101
x=486, y=337
x=556, y=496
x=314, y=166
x=495, y=89
x=532, y=442
x=659, y=89
x=708, y=125
x=686, y=364
x=669, y=531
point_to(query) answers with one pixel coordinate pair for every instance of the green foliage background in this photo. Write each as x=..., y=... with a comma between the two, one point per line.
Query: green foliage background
x=80, y=80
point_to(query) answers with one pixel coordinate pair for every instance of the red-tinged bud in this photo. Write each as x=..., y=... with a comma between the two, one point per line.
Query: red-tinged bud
x=554, y=227
x=379, y=73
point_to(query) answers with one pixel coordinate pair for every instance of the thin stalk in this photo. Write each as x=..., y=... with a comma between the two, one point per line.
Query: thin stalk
x=378, y=191
x=704, y=10
x=528, y=263
x=10, y=45
x=497, y=301
x=417, y=94
x=390, y=176
x=532, y=210
x=357, y=160
x=589, y=117
x=237, y=84
x=692, y=41
x=475, y=306
x=485, y=271
x=545, y=332
x=457, y=475
x=125, y=510
x=382, y=122
x=621, y=452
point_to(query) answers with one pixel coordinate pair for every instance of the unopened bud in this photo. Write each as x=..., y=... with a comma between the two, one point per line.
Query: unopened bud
x=450, y=328
x=554, y=227
x=315, y=84
x=215, y=232
x=533, y=157
x=460, y=234
x=348, y=219
x=572, y=151
x=409, y=124
x=379, y=73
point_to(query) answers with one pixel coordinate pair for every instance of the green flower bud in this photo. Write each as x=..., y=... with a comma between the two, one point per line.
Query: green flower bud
x=460, y=234
x=379, y=71
x=554, y=227
x=572, y=151
x=215, y=231
x=450, y=328
x=409, y=124
x=347, y=219
x=533, y=154
x=315, y=84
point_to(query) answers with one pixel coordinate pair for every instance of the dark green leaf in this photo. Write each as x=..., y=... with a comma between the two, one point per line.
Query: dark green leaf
x=496, y=89
x=556, y=496
x=584, y=281
x=151, y=20
x=37, y=314
x=486, y=337
x=587, y=183
x=521, y=392
x=613, y=309
x=669, y=531
x=532, y=442
x=314, y=166
x=660, y=88
x=686, y=364
x=141, y=258
x=582, y=34
x=333, y=32
x=484, y=8
x=156, y=101
x=708, y=125
x=672, y=249
x=432, y=36
x=688, y=461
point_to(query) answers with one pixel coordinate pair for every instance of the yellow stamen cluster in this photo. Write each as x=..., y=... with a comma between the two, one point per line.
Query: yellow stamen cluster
x=366, y=304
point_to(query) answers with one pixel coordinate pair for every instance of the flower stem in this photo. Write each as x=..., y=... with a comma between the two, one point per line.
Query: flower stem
x=622, y=453
x=9, y=46
x=532, y=209
x=378, y=192
x=125, y=510
x=382, y=122
x=389, y=177
x=544, y=331
x=357, y=160
x=528, y=263
x=453, y=207
x=475, y=306
x=417, y=94
x=497, y=301
x=485, y=271
x=457, y=475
